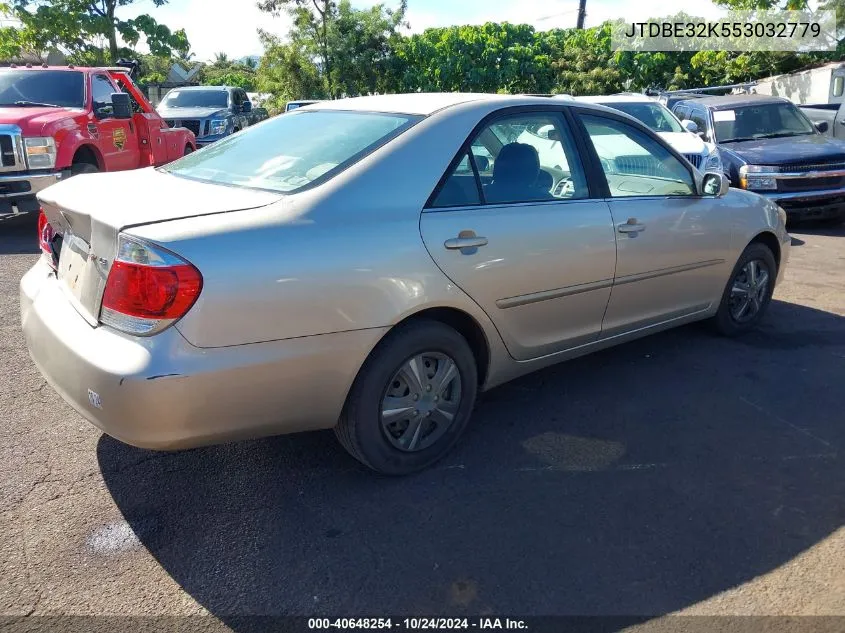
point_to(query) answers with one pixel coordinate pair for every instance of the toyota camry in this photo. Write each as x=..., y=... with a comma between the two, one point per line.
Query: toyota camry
x=372, y=264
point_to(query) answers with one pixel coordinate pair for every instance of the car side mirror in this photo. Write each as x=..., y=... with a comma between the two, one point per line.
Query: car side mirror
x=714, y=184
x=690, y=126
x=822, y=126
x=246, y=107
x=121, y=105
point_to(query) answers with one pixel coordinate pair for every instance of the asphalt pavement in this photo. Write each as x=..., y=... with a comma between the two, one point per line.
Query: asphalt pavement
x=682, y=473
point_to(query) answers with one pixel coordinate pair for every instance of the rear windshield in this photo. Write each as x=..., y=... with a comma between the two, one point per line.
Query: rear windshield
x=291, y=151
x=196, y=99
x=653, y=115
x=58, y=88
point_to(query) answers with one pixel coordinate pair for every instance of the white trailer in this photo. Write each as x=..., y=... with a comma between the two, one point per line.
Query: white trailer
x=825, y=84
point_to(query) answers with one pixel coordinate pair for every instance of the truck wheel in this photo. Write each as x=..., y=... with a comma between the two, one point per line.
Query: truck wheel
x=188, y=150
x=83, y=168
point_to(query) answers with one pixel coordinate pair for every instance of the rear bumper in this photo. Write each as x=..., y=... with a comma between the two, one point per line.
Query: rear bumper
x=810, y=205
x=161, y=392
x=19, y=189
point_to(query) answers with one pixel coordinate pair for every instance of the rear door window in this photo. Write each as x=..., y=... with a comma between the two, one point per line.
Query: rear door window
x=527, y=157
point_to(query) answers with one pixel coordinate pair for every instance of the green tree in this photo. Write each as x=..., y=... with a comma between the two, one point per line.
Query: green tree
x=10, y=42
x=360, y=42
x=487, y=58
x=311, y=20
x=287, y=72
x=582, y=62
x=77, y=26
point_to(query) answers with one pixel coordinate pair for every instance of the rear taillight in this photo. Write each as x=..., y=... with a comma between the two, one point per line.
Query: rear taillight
x=148, y=288
x=45, y=237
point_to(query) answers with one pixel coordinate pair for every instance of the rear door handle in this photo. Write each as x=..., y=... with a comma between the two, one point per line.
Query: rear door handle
x=632, y=227
x=458, y=243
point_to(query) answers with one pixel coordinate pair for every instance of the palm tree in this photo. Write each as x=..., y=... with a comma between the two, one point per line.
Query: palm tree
x=221, y=59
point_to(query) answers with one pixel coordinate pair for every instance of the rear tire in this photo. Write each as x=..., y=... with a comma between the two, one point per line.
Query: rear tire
x=188, y=150
x=83, y=168
x=748, y=293
x=411, y=400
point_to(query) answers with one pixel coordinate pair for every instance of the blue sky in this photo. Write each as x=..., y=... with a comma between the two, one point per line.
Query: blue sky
x=230, y=25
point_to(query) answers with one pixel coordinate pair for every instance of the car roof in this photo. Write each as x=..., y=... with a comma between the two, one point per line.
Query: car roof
x=425, y=103
x=192, y=88
x=616, y=99
x=726, y=102
x=77, y=69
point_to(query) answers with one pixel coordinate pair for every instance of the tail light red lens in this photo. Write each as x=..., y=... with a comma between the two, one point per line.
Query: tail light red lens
x=151, y=292
x=148, y=288
x=45, y=235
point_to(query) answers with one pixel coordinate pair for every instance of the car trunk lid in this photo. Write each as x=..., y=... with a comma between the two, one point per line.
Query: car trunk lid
x=89, y=211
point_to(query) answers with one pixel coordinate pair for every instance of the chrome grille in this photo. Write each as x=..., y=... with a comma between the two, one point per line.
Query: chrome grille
x=7, y=151
x=11, y=149
x=695, y=159
x=191, y=124
x=638, y=165
x=802, y=167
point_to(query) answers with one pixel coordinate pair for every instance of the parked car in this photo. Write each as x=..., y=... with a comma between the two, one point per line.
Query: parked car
x=683, y=137
x=210, y=112
x=302, y=276
x=257, y=115
x=671, y=99
x=293, y=105
x=770, y=146
x=56, y=122
x=829, y=118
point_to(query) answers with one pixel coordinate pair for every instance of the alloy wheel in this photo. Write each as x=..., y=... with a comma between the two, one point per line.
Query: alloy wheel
x=749, y=290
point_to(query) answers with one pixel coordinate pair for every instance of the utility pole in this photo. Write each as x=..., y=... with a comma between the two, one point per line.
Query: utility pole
x=582, y=13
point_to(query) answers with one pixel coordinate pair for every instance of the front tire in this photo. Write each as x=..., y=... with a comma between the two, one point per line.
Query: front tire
x=188, y=150
x=83, y=168
x=411, y=400
x=749, y=291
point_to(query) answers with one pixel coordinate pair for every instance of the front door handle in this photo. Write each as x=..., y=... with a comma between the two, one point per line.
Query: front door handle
x=631, y=227
x=457, y=243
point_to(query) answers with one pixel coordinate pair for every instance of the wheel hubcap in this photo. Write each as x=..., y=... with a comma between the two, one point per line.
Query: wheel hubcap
x=749, y=291
x=421, y=401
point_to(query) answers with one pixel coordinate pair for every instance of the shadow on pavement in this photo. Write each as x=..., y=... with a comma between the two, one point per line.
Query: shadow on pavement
x=636, y=481
x=19, y=234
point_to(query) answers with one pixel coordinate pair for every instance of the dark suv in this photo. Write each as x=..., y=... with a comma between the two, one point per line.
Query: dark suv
x=770, y=147
x=210, y=112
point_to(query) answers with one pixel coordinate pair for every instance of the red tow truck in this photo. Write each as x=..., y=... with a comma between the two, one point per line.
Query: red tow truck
x=56, y=122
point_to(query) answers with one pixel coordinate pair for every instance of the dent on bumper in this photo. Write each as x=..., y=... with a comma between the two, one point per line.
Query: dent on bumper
x=162, y=393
